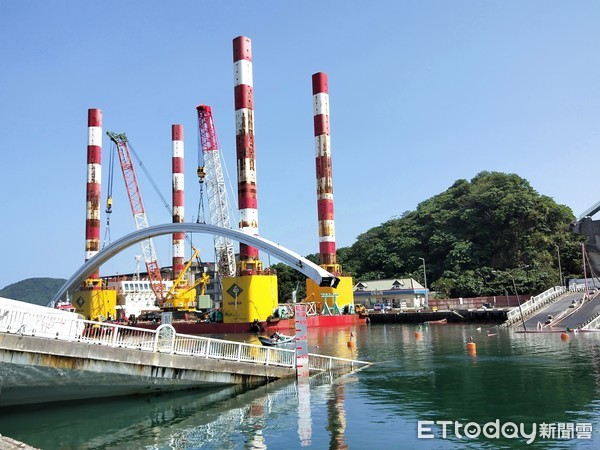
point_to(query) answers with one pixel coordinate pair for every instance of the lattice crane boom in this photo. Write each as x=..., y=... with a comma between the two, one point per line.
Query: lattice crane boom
x=139, y=214
x=212, y=174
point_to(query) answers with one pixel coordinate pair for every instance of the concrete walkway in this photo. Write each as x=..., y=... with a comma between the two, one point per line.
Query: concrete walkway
x=37, y=370
x=553, y=309
x=579, y=316
x=47, y=355
x=7, y=443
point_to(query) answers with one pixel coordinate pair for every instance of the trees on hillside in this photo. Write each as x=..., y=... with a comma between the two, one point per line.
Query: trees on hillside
x=476, y=237
x=38, y=291
x=470, y=236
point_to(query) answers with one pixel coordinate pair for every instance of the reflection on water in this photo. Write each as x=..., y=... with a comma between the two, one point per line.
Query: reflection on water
x=336, y=424
x=304, y=420
x=223, y=418
x=514, y=377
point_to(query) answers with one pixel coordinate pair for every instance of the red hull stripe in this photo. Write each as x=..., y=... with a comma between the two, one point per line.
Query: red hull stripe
x=177, y=132
x=323, y=166
x=94, y=118
x=248, y=203
x=242, y=48
x=245, y=146
x=94, y=154
x=244, y=97
x=93, y=188
x=319, y=83
x=250, y=252
x=178, y=198
x=327, y=247
x=321, y=123
x=177, y=165
x=245, y=151
x=325, y=209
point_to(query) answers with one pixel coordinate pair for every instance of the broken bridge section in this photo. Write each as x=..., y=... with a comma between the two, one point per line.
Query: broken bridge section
x=285, y=255
x=48, y=355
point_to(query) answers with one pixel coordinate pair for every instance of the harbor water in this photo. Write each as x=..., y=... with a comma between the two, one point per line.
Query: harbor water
x=424, y=390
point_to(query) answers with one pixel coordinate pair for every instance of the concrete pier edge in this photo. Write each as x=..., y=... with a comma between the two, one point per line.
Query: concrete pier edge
x=7, y=443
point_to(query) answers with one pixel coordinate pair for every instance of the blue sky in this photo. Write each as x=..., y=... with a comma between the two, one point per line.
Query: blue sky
x=422, y=93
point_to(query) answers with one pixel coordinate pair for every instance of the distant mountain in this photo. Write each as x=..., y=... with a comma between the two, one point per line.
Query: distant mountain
x=38, y=291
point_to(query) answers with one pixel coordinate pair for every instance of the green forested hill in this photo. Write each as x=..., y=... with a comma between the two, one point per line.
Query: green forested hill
x=475, y=238
x=38, y=291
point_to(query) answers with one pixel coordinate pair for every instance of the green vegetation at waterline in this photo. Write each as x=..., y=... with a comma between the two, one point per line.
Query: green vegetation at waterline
x=38, y=291
x=474, y=237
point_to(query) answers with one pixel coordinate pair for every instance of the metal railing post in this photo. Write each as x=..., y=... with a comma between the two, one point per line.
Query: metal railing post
x=78, y=330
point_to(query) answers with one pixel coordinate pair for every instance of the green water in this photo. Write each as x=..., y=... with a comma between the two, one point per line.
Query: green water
x=524, y=379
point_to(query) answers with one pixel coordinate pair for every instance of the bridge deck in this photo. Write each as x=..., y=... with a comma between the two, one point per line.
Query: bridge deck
x=52, y=356
x=560, y=306
x=580, y=315
x=571, y=310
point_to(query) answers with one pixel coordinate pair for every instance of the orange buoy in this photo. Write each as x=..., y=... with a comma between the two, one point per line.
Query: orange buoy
x=471, y=347
x=418, y=335
x=564, y=336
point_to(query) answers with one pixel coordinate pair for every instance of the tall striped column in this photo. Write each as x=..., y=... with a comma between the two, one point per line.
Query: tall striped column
x=244, y=130
x=178, y=190
x=93, y=191
x=324, y=173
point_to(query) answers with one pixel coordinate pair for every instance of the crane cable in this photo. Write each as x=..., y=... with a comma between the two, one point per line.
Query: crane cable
x=200, y=218
x=143, y=167
x=108, y=210
x=154, y=185
x=593, y=276
x=201, y=172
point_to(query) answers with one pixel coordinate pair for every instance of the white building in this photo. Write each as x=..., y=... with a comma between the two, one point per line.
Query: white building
x=402, y=293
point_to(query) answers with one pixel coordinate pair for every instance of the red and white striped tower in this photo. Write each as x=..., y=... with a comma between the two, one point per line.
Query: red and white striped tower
x=246, y=164
x=93, y=192
x=327, y=247
x=178, y=190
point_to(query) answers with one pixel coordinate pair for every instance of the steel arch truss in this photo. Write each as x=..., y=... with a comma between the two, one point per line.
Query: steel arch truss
x=285, y=255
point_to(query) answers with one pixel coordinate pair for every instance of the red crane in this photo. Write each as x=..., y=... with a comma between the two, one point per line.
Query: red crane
x=218, y=205
x=139, y=214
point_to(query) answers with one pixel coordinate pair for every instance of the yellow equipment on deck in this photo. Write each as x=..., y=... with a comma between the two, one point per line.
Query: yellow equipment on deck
x=94, y=302
x=182, y=297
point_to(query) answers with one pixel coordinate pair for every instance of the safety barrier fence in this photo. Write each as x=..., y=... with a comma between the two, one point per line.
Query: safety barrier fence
x=164, y=340
x=533, y=304
x=287, y=310
x=592, y=323
x=322, y=363
x=557, y=318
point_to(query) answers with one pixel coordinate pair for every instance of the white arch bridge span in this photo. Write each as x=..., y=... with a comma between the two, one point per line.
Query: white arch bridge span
x=285, y=255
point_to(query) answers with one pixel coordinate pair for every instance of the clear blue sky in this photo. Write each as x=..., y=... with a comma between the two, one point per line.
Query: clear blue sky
x=422, y=93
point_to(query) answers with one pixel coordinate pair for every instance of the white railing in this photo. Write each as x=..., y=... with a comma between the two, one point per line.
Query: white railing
x=311, y=308
x=592, y=323
x=164, y=340
x=533, y=304
x=116, y=336
x=233, y=351
x=23, y=321
x=322, y=363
